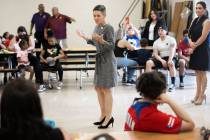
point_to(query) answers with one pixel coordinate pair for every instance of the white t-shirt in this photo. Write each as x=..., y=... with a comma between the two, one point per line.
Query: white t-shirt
x=163, y=46
x=151, y=31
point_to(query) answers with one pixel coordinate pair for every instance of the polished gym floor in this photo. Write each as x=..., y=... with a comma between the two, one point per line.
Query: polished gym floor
x=75, y=110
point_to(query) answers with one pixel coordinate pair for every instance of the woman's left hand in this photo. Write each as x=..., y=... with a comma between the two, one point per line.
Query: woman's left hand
x=191, y=43
x=190, y=51
x=98, y=38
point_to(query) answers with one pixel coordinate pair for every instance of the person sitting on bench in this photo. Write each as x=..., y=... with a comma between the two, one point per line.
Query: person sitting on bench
x=164, y=55
x=23, y=61
x=50, y=56
x=184, y=56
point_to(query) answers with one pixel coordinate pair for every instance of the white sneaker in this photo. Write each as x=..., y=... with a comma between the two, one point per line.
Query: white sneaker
x=171, y=88
x=41, y=88
x=59, y=85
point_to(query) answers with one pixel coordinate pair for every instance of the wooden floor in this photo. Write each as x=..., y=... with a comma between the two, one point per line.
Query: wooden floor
x=194, y=135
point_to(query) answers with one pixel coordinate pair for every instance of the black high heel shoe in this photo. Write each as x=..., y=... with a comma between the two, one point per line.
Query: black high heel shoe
x=111, y=121
x=100, y=123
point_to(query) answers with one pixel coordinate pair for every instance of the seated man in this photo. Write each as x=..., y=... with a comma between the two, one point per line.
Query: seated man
x=49, y=57
x=184, y=57
x=144, y=115
x=164, y=55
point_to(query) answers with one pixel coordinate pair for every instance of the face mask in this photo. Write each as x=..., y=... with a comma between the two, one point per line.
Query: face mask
x=186, y=40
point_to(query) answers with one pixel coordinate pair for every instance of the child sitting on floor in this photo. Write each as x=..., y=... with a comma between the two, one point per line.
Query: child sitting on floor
x=23, y=62
x=144, y=115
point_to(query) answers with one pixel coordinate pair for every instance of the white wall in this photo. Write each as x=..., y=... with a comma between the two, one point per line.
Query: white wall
x=19, y=12
x=194, y=2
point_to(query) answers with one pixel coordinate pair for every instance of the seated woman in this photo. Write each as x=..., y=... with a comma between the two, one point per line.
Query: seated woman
x=150, y=31
x=22, y=34
x=144, y=115
x=21, y=114
x=49, y=57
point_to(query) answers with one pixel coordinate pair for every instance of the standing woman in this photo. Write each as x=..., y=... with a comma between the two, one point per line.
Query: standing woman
x=151, y=28
x=105, y=77
x=200, y=50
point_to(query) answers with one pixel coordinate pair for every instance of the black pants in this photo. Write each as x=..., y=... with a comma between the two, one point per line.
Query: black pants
x=57, y=67
x=151, y=42
x=37, y=68
x=40, y=40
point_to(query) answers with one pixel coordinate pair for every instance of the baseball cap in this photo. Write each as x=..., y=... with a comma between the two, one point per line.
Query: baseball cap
x=164, y=27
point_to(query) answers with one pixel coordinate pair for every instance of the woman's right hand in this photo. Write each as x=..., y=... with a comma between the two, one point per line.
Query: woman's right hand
x=82, y=35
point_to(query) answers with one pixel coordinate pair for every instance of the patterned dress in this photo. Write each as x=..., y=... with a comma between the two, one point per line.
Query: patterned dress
x=106, y=66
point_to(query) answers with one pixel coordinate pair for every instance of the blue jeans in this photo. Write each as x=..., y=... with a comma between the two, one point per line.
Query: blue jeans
x=126, y=62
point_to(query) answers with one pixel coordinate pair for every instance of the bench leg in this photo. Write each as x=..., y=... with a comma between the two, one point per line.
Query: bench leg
x=76, y=76
x=168, y=77
x=80, y=79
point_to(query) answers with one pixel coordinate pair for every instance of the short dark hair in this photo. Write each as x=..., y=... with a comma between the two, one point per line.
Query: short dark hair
x=5, y=34
x=50, y=33
x=22, y=43
x=144, y=42
x=21, y=111
x=202, y=3
x=151, y=84
x=100, y=8
x=185, y=31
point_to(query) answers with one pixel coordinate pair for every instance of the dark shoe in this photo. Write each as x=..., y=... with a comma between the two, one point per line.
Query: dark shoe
x=181, y=85
x=99, y=123
x=123, y=79
x=130, y=83
x=111, y=121
x=171, y=88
